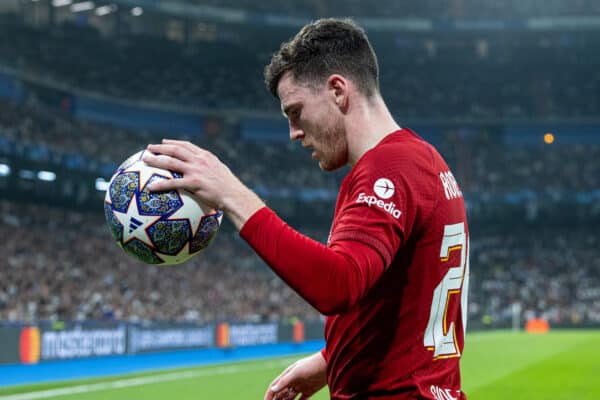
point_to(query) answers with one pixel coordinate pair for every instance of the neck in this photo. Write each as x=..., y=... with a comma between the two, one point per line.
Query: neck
x=367, y=124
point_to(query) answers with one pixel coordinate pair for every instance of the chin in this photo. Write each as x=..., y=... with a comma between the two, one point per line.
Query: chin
x=329, y=166
x=323, y=167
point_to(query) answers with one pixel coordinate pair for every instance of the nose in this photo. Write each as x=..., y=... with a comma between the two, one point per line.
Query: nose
x=296, y=133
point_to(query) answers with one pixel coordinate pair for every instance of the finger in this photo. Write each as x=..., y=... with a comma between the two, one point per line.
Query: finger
x=189, y=146
x=269, y=394
x=272, y=390
x=165, y=162
x=165, y=185
x=286, y=394
x=275, y=387
x=294, y=393
x=282, y=380
x=184, y=144
x=174, y=150
x=282, y=394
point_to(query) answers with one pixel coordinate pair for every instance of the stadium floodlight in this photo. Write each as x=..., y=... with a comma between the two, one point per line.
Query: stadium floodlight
x=4, y=170
x=61, y=3
x=137, y=11
x=47, y=176
x=83, y=6
x=105, y=10
x=549, y=138
x=101, y=184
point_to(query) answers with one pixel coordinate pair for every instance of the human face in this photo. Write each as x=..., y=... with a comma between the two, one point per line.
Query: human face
x=315, y=120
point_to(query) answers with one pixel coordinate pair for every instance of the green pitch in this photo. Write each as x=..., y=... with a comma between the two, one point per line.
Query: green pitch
x=496, y=365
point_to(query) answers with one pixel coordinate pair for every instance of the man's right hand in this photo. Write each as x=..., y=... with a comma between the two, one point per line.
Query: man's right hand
x=305, y=377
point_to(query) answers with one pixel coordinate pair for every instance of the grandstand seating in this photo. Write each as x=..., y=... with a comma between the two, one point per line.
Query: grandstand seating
x=433, y=76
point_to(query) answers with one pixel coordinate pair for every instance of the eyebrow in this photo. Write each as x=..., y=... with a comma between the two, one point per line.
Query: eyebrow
x=286, y=110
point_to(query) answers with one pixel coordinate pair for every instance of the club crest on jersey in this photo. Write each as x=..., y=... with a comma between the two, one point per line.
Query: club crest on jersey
x=384, y=189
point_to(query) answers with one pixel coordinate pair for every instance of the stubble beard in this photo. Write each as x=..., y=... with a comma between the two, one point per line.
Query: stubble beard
x=335, y=147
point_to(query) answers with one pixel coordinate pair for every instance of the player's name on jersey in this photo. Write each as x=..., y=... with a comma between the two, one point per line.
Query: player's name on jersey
x=451, y=188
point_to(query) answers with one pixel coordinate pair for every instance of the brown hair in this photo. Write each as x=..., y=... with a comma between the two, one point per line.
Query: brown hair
x=325, y=47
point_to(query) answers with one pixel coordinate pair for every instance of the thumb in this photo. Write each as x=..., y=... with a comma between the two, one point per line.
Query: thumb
x=281, y=383
x=277, y=386
x=282, y=380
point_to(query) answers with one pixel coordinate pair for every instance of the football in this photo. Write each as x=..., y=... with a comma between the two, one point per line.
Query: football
x=162, y=228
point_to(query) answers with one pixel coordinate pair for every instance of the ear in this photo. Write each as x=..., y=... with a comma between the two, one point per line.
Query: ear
x=338, y=87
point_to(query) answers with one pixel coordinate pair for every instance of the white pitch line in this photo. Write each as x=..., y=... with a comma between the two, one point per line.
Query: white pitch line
x=146, y=380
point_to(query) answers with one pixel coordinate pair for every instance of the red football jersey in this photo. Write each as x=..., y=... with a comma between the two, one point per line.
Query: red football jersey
x=404, y=338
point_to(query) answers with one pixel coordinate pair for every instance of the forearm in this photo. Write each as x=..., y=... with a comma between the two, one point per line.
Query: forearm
x=240, y=206
x=319, y=361
x=330, y=280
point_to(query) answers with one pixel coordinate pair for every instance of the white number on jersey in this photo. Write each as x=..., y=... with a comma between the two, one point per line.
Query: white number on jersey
x=439, y=336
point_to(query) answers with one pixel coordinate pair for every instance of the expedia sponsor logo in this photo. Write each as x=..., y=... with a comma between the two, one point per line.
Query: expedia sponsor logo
x=384, y=188
x=389, y=207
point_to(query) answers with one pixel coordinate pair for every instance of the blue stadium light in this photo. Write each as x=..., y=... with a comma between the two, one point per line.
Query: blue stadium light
x=47, y=176
x=101, y=184
x=83, y=6
x=4, y=170
x=61, y=3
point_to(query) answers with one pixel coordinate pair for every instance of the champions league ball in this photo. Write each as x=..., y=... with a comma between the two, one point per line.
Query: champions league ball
x=162, y=228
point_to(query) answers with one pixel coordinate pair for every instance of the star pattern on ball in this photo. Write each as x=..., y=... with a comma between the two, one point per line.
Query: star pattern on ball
x=135, y=224
x=147, y=172
x=194, y=219
x=107, y=198
x=180, y=257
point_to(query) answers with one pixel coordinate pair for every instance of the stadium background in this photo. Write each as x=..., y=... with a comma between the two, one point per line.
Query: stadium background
x=509, y=92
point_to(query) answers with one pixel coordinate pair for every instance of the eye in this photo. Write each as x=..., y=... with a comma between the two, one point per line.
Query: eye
x=295, y=114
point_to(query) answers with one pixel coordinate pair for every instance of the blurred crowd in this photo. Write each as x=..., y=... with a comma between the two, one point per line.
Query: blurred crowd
x=508, y=75
x=478, y=158
x=486, y=163
x=549, y=273
x=139, y=67
x=48, y=136
x=64, y=265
